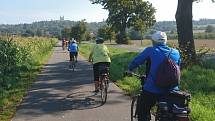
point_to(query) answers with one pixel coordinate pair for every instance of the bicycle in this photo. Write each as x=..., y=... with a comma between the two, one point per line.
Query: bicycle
x=72, y=63
x=103, y=82
x=173, y=106
x=64, y=44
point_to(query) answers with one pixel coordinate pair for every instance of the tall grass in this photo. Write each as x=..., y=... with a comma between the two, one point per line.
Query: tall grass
x=20, y=61
x=198, y=79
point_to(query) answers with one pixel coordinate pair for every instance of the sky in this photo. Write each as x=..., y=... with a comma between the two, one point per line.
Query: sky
x=27, y=11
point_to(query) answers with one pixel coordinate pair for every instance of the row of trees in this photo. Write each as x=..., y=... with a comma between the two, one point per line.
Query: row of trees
x=45, y=28
x=78, y=31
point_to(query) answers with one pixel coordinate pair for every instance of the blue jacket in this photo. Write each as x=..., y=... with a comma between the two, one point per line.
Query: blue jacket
x=156, y=57
x=73, y=47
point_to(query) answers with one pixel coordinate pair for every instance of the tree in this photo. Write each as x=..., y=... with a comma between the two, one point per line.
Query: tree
x=185, y=31
x=124, y=14
x=78, y=31
x=88, y=36
x=106, y=33
x=209, y=29
x=65, y=33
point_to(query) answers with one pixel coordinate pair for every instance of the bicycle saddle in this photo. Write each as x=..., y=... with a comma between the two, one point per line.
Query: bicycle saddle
x=182, y=94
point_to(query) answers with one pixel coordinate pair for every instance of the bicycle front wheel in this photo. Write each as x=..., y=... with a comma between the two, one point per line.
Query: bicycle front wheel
x=134, y=115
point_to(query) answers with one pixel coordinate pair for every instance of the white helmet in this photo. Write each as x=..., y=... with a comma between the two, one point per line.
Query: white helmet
x=159, y=37
x=73, y=41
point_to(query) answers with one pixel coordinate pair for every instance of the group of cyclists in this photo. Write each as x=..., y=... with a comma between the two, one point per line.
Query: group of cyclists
x=100, y=55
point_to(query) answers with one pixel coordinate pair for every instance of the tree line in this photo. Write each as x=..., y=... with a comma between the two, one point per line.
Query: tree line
x=55, y=28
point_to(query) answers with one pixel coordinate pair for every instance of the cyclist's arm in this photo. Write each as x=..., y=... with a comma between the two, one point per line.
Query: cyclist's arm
x=90, y=57
x=139, y=60
x=77, y=48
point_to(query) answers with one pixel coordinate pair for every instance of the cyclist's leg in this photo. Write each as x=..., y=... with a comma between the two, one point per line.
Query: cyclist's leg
x=70, y=59
x=70, y=56
x=96, y=76
x=146, y=101
x=76, y=56
x=73, y=58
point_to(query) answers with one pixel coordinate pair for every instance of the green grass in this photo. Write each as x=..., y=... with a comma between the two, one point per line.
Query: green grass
x=19, y=81
x=198, y=79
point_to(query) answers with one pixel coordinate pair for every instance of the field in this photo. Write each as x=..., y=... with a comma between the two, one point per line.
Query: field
x=198, y=43
x=20, y=61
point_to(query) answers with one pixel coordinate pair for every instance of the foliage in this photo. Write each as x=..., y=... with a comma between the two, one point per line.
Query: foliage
x=45, y=28
x=78, y=31
x=124, y=14
x=65, y=33
x=20, y=58
x=106, y=33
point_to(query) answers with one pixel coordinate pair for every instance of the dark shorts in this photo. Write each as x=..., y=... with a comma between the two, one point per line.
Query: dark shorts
x=72, y=54
x=96, y=68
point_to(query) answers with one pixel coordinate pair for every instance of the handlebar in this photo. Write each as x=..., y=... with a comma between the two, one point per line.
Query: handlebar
x=141, y=77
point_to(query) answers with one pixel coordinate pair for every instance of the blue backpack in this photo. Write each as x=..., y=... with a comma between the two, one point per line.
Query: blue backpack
x=168, y=73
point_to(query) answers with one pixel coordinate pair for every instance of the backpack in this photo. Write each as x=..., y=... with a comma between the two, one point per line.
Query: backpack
x=168, y=73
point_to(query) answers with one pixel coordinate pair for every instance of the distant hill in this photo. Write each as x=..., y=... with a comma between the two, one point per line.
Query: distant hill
x=171, y=25
x=53, y=28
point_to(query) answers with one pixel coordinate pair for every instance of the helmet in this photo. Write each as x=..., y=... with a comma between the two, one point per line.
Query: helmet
x=159, y=37
x=99, y=40
x=73, y=41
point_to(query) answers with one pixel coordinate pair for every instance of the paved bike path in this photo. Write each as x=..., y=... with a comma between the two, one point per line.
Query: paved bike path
x=59, y=94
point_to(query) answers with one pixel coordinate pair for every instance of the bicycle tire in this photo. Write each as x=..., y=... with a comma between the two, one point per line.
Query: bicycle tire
x=73, y=65
x=134, y=108
x=103, y=90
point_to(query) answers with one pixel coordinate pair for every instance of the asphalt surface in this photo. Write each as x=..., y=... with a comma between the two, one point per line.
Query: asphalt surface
x=59, y=94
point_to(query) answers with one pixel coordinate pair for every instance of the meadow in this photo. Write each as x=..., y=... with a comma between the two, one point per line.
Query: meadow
x=21, y=59
x=197, y=79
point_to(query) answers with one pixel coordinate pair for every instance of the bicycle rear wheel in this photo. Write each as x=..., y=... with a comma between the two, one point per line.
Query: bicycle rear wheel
x=103, y=89
x=134, y=108
x=73, y=65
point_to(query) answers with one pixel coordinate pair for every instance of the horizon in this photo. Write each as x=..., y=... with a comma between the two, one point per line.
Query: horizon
x=95, y=21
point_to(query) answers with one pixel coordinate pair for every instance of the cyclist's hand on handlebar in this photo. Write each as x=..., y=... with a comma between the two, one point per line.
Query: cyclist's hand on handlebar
x=128, y=73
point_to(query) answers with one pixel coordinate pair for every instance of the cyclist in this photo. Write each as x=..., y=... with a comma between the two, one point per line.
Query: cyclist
x=151, y=92
x=63, y=43
x=99, y=56
x=73, y=50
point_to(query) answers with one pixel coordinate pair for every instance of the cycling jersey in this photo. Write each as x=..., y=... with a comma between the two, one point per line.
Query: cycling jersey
x=100, y=53
x=73, y=47
x=156, y=57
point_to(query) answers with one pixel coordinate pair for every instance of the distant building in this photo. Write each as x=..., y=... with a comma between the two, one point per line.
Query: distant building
x=61, y=18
